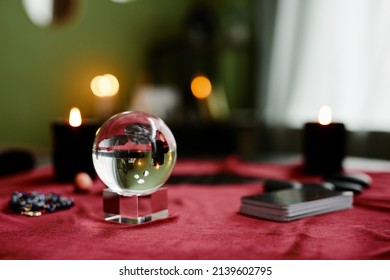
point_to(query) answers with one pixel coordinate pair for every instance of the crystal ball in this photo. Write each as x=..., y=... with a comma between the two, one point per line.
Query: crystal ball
x=134, y=153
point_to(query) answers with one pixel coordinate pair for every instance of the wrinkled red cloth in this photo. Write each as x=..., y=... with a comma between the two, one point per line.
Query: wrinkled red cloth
x=204, y=222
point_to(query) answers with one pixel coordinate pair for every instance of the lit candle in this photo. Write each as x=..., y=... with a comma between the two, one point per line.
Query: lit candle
x=201, y=89
x=72, y=146
x=324, y=144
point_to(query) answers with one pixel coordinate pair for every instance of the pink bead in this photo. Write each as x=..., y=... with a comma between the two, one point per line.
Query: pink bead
x=82, y=182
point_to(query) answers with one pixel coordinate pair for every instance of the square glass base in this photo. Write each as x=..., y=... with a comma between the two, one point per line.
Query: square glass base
x=135, y=209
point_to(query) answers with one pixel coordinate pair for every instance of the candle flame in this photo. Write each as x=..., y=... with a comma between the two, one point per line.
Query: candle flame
x=325, y=115
x=75, y=117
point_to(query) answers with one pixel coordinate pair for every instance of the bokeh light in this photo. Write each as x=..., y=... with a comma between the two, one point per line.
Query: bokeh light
x=105, y=85
x=201, y=87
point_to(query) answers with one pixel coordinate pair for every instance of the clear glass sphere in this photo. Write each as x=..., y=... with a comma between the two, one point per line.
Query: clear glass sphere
x=134, y=153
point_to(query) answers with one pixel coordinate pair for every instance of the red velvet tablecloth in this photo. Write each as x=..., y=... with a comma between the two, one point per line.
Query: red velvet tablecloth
x=204, y=222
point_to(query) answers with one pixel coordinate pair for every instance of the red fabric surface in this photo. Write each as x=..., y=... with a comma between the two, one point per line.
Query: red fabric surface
x=204, y=222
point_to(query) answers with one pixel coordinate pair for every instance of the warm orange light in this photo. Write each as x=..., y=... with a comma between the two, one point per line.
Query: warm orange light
x=75, y=117
x=325, y=115
x=201, y=87
x=105, y=85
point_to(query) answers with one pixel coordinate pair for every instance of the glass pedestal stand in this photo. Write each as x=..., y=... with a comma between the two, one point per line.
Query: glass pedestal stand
x=135, y=209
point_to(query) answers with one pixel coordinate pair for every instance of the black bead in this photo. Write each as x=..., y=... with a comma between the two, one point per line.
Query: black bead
x=51, y=208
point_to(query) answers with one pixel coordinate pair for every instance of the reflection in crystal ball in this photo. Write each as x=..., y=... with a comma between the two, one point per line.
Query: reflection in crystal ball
x=134, y=153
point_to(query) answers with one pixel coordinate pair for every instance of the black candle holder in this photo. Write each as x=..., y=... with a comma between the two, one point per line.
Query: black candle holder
x=324, y=148
x=72, y=148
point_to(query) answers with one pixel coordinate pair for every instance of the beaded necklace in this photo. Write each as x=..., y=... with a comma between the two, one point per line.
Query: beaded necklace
x=32, y=204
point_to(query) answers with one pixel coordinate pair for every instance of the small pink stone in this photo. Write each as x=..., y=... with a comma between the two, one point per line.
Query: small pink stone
x=82, y=182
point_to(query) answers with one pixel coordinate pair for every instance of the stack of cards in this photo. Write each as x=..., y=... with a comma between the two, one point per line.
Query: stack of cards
x=292, y=204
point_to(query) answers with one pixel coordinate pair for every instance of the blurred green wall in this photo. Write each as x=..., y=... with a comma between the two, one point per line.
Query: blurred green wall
x=46, y=71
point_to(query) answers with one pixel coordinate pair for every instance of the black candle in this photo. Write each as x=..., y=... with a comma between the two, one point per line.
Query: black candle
x=72, y=148
x=324, y=145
